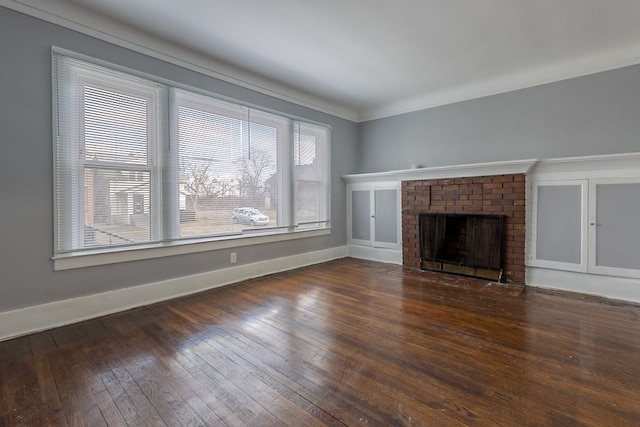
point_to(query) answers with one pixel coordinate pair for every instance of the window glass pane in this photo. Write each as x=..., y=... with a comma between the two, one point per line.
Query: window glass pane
x=228, y=167
x=116, y=210
x=305, y=151
x=309, y=171
x=115, y=127
x=137, y=160
x=258, y=170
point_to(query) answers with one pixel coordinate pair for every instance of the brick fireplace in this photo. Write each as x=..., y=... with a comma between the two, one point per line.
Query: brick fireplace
x=495, y=195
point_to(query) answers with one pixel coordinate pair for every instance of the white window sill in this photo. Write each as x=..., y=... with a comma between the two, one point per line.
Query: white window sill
x=123, y=254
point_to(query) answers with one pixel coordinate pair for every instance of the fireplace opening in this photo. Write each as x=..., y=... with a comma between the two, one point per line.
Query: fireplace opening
x=462, y=244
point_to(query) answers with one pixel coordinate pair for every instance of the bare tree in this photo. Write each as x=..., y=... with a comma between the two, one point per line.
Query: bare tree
x=254, y=173
x=198, y=182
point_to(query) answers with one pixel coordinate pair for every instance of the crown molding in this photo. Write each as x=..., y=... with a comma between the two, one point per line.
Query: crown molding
x=68, y=15
x=72, y=17
x=580, y=67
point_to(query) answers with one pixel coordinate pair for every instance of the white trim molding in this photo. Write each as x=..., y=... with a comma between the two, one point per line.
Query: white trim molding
x=446, y=172
x=68, y=15
x=180, y=247
x=570, y=69
x=611, y=287
x=389, y=256
x=59, y=313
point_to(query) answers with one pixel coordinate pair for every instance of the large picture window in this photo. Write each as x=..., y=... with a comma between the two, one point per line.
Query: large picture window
x=142, y=162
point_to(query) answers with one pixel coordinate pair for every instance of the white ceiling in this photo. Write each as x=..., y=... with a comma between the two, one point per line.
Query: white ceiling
x=364, y=59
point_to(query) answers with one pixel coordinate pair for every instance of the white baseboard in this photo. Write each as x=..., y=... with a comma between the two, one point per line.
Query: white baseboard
x=47, y=316
x=392, y=256
x=616, y=288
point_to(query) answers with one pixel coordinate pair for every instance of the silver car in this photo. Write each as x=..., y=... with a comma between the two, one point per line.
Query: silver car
x=251, y=216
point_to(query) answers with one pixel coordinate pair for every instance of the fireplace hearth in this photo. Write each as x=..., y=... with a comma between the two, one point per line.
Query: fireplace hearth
x=470, y=245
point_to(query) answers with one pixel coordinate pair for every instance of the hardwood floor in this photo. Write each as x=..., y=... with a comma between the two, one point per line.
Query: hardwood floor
x=348, y=342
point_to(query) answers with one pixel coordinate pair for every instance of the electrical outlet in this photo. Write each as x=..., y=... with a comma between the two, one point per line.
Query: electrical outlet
x=234, y=258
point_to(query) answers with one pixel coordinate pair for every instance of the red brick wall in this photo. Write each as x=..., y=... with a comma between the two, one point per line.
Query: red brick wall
x=493, y=195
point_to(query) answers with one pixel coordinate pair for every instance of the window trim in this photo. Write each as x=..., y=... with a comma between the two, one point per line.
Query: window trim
x=194, y=100
x=124, y=253
x=324, y=165
x=176, y=85
x=120, y=254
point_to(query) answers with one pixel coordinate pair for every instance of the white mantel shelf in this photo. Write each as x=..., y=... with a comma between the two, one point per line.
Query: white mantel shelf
x=600, y=166
x=446, y=172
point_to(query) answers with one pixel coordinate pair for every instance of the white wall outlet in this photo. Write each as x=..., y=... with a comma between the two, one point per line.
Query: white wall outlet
x=234, y=258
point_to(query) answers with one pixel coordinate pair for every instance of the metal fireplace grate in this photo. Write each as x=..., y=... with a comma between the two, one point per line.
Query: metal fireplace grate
x=462, y=244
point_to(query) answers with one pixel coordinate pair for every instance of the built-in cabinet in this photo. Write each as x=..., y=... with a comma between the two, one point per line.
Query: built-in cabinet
x=373, y=221
x=590, y=225
x=584, y=225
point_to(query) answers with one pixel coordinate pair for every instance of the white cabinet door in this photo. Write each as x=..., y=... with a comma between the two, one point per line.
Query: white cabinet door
x=373, y=212
x=614, y=227
x=559, y=225
x=386, y=214
x=360, y=218
x=590, y=226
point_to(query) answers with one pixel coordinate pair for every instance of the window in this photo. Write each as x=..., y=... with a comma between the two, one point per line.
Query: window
x=228, y=156
x=311, y=185
x=141, y=162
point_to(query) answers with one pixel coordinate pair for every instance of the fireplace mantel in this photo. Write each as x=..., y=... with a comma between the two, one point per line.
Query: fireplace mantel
x=459, y=186
x=446, y=172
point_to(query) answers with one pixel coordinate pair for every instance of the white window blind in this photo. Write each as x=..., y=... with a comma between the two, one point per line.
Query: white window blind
x=311, y=174
x=229, y=156
x=106, y=156
x=139, y=161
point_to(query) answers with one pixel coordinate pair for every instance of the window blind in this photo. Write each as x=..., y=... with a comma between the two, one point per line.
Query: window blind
x=229, y=157
x=310, y=174
x=139, y=161
x=107, y=144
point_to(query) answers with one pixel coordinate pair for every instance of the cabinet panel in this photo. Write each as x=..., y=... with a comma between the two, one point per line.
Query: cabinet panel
x=373, y=212
x=590, y=226
x=617, y=223
x=558, y=223
x=386, y=216
x=360, y=213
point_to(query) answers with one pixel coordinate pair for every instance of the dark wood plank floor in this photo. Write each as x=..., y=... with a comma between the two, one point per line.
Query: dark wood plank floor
x=343, y=343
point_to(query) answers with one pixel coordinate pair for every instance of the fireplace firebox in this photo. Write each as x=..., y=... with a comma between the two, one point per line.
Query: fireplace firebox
x=470, y=245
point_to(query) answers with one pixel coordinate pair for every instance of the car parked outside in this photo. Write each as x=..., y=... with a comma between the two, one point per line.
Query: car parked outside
x=251, y=216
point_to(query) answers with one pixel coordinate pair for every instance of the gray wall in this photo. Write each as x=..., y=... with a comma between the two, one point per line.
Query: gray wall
x=26, y=202
x=591, y=115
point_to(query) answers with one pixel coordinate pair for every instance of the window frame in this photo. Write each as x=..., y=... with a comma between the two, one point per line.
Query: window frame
x=324, y=175
x=163, y=168
x=199, y=101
